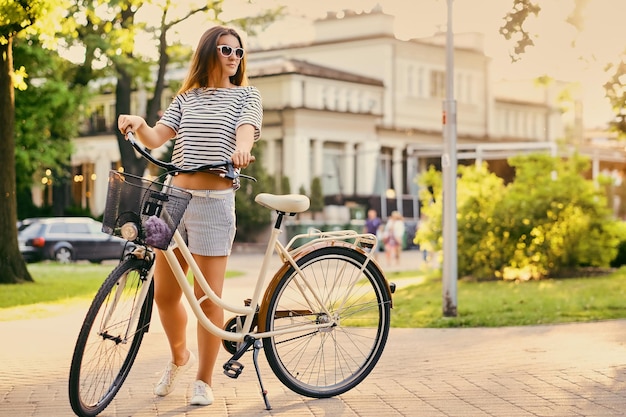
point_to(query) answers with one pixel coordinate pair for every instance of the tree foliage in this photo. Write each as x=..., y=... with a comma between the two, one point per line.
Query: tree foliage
x=514, y=29
x=18, y=18
x=46, y=115
x=616, y=93
x=250, y=216
x=548, y=221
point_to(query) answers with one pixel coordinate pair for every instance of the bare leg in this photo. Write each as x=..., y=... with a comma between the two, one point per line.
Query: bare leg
x=214, y=269
x=167, y=296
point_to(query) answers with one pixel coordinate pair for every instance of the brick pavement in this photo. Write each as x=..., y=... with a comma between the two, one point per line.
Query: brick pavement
x=557, y=370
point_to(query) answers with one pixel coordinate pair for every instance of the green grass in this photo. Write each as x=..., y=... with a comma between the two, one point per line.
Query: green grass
x=56, y=287
x=498, y=303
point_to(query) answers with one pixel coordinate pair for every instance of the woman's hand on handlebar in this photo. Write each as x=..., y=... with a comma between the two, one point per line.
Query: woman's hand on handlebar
x=150, y=137
x=129, y=123
x=241, y=158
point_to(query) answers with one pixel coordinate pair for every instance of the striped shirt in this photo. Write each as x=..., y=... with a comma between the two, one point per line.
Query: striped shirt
x=206, y=120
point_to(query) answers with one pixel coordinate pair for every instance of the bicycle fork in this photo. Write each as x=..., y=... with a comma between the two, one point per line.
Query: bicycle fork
x=233, y=367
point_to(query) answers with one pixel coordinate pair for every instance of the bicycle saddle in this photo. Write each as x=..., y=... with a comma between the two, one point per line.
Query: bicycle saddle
x=288, y=203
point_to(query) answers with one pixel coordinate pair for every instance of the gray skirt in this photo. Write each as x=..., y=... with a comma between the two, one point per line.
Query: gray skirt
x=208, y=225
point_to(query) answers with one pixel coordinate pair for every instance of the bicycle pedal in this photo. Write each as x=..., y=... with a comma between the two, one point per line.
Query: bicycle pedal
x=233, y=369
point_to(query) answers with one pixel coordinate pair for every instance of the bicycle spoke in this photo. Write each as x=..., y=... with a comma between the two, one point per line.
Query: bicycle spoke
x=109, y=338
x=353, y=319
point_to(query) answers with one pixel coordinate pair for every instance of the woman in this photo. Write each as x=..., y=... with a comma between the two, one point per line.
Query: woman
x=393, y=237
x=215, y=116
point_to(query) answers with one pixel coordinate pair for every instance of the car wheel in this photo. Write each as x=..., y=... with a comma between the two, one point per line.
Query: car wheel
x=63, y=255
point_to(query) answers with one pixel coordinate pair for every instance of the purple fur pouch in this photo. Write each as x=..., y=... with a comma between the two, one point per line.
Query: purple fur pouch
x=158, y=233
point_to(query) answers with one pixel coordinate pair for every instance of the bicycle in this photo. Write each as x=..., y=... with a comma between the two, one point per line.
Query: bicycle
x=323, y=320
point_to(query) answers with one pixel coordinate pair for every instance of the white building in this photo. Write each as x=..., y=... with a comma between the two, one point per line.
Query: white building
x=362, y=110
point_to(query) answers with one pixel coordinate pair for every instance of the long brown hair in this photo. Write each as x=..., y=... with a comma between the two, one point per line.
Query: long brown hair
x=205, y=61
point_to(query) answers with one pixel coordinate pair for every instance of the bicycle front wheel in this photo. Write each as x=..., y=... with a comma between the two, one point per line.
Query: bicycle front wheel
x=110, y=337
x=333, y=288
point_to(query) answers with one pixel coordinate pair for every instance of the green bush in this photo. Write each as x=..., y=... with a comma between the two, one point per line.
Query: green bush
x=317, y=195
x=620, y=258
x=250, y=216
x=548, y=220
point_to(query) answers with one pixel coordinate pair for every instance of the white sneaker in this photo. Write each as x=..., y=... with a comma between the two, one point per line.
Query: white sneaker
x=171, y=375
x=202, y=394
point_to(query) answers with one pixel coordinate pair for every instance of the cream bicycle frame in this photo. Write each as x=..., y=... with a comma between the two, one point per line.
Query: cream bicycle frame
x=337, y=261
x=249, y=311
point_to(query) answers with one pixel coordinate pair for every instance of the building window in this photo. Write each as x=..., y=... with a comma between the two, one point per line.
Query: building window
x=524, y=122
x=332, y=164
x=538, y=126
x=83, y=183
x=384, y=179
x=420, y=82
x=98, y=123
x=325, y=98
x=505, y=123
x=437, y=84
x=514, y=128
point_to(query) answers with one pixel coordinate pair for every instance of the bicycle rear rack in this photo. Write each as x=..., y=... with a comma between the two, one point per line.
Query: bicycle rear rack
x=363, y=242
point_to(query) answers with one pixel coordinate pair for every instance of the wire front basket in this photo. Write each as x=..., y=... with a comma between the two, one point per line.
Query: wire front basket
x=151, y=208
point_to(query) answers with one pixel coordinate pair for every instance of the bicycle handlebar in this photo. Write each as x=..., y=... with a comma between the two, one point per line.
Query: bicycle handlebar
x=231, y=172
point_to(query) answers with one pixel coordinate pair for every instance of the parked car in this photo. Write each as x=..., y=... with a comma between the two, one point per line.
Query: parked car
x=67, y=239
x=23, y=224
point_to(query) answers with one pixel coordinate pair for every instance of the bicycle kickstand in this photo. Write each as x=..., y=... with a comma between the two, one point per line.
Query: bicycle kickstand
x=233, y=367
x=258, y=344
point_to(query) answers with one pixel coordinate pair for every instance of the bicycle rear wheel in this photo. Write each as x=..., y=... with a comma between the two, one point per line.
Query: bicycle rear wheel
x=325, y=362
x=107, y=345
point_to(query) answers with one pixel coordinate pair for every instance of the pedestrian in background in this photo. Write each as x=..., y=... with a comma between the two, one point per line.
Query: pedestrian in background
x=393, y=237
x=373, y=225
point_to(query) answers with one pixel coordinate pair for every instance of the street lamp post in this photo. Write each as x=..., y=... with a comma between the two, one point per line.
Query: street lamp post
x=449, y=168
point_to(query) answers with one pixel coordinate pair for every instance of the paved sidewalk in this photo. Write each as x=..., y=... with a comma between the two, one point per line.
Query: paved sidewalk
x=561, y=370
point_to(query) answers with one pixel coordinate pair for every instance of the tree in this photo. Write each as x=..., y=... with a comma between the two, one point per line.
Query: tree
x=18, y=18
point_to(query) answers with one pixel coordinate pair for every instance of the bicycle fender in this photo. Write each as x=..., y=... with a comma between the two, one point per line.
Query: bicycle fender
x=271, y=288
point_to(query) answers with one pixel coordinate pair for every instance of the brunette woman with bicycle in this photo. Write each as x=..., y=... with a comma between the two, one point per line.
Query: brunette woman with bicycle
x=215, y=116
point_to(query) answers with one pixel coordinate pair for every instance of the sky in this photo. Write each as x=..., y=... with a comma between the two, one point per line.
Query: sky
x=601, y=41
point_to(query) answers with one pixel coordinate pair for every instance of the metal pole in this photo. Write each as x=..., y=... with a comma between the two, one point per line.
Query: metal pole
x=449, y=168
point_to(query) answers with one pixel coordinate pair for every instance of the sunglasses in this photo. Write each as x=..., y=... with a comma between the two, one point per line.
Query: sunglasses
x=227, y=51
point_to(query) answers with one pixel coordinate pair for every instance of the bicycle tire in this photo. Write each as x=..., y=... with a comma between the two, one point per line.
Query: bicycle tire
x=103, y=357
x=327, y=362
